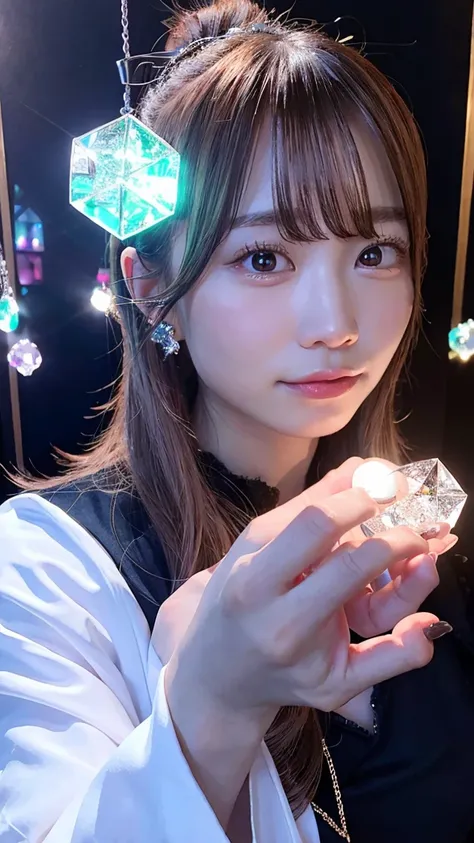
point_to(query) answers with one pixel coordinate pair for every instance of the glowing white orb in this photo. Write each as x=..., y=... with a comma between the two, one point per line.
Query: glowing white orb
x=377, y=479
x=101, y=299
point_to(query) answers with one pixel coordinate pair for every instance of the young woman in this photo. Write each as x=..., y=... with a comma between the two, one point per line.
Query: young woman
x=269, y=700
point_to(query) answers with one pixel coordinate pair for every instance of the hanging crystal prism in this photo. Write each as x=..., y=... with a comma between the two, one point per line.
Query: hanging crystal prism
x=9, y=310
x=124, y=177
x=431, y=495
x=461, y=340
x=9, y=314
x=25, y=357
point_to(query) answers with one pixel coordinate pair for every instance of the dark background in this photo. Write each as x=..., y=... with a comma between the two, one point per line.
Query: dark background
x=58, y=80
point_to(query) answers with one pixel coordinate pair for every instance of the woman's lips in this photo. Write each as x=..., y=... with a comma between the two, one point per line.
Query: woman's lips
x=324, y=388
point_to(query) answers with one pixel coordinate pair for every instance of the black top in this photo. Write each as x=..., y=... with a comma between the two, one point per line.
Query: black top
x=409, y=782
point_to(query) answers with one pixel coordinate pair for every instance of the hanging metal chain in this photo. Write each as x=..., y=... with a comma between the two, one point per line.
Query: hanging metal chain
x=127, y=98
x=4, y=277
x=125, y=29
x=341, y=829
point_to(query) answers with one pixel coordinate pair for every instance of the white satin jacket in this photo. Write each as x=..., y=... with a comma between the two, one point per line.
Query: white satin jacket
x=88, y=753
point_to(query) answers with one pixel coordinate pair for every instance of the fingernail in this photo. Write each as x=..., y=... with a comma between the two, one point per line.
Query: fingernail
x=437, y=630
x=434, y=556
x=432, y=532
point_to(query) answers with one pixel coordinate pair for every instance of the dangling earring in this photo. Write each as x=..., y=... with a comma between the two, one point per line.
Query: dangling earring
x=164, y=335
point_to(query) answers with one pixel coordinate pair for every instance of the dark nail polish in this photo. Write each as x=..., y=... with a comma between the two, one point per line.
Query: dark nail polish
x=437, y=630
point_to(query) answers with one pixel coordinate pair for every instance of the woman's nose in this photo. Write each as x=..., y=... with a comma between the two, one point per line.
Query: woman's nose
x=327, y=315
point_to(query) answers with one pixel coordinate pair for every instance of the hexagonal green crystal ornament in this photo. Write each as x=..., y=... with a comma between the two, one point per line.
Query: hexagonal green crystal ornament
x=124, y=177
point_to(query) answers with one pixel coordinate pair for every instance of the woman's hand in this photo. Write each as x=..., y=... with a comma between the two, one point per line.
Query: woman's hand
x=176, y=613
x=378, y=610
x=369, y=613
x=258, y=641
x=254, y=636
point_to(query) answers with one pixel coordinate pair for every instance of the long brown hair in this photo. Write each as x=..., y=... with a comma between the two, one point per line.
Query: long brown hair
x=212, y=108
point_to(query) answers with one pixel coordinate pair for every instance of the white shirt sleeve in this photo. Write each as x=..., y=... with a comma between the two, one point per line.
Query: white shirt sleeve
x=88, y=753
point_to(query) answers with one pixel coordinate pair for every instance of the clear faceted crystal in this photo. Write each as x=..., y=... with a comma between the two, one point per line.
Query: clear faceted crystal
x=461, y=339
x=124, y=177
x=25, y=357
x=163, y=335
x=433, y=496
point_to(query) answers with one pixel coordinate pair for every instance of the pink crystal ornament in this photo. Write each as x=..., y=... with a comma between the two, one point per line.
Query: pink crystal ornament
x=432, y=496
x=25, y=357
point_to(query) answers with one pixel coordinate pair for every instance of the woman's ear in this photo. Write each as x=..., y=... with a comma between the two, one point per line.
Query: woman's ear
x=141, y=284
x=144, y=287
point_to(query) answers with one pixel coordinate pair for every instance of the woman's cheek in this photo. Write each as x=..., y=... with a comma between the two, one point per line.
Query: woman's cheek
x=386, y=315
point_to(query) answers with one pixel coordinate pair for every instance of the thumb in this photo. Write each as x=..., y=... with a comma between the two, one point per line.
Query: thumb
x=378, y=659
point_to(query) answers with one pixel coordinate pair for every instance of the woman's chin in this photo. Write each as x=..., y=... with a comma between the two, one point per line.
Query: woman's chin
x=314, y=428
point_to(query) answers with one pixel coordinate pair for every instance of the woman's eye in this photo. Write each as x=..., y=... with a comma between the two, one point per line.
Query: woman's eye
x=379, y=257
x=266, y=262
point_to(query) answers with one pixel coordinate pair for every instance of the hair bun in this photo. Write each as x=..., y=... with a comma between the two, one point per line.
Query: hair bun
x=211, y=20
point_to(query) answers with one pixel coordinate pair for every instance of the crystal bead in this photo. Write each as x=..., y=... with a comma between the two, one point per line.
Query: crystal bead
x=9, y=319
x=461, y=339
x=432, y=495
x=25, y=357
x=124, y=177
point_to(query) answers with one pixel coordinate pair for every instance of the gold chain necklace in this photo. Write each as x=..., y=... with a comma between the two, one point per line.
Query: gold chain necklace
x=342, y=829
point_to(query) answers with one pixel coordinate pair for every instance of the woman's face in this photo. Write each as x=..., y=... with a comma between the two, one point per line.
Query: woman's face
x=269, y=315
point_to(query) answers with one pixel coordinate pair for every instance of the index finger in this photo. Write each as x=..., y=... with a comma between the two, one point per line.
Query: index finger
x=307, y=540
x=266, y=527
x=348, y=570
